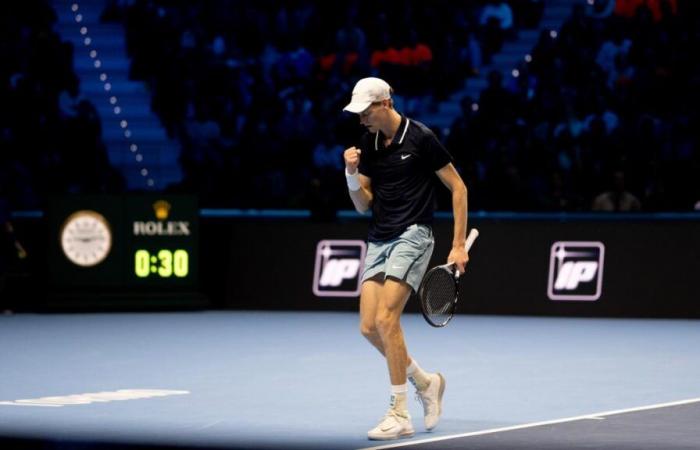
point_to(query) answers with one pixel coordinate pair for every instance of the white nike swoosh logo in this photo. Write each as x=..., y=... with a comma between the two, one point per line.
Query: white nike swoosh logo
x=405, y=156
x=397, y=267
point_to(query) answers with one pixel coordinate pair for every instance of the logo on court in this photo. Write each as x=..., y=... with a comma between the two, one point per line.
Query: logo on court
x=576, y=270
x=338, y=268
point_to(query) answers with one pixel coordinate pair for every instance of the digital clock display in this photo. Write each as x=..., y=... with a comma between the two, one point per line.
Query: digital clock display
x=162, y=263
x=162, y=240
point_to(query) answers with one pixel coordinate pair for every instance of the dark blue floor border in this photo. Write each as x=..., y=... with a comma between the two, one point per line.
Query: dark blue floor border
x=440, y=215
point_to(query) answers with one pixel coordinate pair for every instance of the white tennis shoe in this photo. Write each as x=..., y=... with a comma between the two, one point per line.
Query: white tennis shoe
x=431, y=399
x=392, y=426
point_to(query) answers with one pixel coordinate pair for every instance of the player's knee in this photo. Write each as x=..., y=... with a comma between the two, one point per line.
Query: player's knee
x=368, y=329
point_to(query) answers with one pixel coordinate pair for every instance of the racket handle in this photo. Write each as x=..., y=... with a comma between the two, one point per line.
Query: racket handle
x=473, y=234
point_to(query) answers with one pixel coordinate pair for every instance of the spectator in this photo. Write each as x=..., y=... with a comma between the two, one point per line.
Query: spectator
x=617, y=199
x=499, y=11
x=600, y=9
x=496, y=24
x=629, y=8
x=12, y=251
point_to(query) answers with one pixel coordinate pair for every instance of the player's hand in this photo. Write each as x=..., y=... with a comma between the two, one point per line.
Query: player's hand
x=352, y=159
x=460, y=257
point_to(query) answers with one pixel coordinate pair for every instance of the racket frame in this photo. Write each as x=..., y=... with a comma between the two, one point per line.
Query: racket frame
x=473, y=234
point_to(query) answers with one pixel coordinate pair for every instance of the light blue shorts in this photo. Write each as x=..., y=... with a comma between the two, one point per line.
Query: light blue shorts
x=405, y=258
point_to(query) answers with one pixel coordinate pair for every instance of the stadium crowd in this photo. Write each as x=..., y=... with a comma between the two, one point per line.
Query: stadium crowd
x=598, y=116
x=50, y=137
x=254, y=90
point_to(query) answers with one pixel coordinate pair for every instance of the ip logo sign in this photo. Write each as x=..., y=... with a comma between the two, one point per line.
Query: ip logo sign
x=576, y=271
x=338, y=268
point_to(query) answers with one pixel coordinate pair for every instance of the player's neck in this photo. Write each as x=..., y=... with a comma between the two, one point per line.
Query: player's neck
x=392, y=125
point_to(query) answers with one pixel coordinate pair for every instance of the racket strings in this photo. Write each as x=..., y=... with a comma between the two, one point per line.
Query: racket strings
x=439, y=292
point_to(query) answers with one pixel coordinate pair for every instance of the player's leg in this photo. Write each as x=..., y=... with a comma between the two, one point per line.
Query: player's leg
x=408, y=262
x=369, y=302
x=403, y=263
x=372, y=281
x=392, y=299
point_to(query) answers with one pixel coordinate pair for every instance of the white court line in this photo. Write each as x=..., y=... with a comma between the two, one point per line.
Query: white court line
x=597, y=416
x=30, y=404
x=93, y=397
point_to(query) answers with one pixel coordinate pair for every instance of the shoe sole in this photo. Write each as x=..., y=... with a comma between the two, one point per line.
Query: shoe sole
x=440, y=392
x=391, y=438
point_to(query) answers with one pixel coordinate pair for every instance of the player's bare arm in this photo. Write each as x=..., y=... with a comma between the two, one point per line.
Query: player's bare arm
x=451, y=179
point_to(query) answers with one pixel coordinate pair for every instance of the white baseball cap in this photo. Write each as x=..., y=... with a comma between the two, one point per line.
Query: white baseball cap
x=366, y=92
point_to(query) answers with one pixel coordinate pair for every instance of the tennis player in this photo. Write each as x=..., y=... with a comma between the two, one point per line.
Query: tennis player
x=394, y=171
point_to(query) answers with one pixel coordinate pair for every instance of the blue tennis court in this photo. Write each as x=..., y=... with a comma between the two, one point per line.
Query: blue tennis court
x=309, y=380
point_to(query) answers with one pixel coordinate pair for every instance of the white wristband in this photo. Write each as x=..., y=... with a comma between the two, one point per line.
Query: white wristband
x=353, y=180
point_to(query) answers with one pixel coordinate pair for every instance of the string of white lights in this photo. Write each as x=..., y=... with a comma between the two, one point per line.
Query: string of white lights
x=515, y=72
x=107, y=85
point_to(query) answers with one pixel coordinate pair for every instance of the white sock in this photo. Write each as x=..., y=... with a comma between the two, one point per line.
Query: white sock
x=398, y=398
x=417, y=376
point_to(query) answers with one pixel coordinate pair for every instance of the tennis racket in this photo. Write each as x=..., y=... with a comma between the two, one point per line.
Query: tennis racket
x=439, y=290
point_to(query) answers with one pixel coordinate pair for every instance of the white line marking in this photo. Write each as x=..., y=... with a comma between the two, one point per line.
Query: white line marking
x=93, y=397
x=597, y=416
x=29, y=404
x=209, y=425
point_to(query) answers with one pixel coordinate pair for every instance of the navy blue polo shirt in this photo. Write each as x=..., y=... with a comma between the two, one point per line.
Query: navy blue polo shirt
x=403, y=177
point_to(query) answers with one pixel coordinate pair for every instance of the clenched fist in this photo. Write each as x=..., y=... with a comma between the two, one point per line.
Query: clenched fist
x=352, y=159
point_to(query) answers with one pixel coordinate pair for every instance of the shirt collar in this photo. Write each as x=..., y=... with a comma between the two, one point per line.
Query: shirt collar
x=398, y=137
